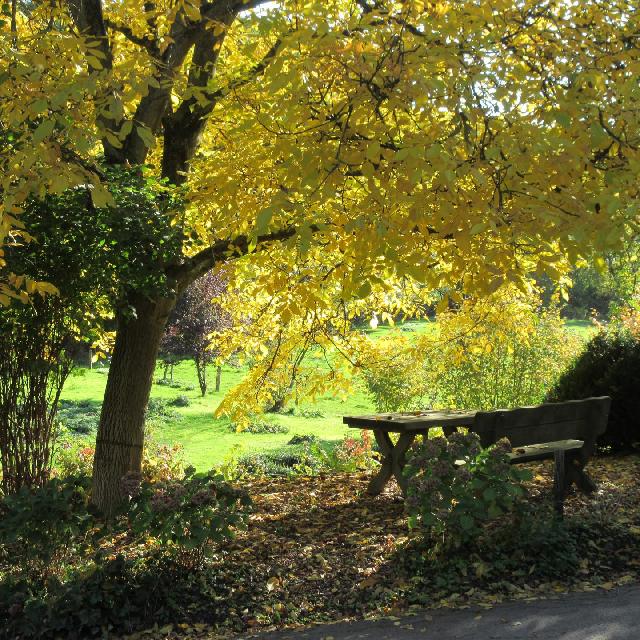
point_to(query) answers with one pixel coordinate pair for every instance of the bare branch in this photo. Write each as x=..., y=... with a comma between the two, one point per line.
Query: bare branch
x=253, y=73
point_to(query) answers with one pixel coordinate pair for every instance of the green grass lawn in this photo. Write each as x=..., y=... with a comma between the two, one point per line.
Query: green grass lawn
x=584, y=328
x=208, y=440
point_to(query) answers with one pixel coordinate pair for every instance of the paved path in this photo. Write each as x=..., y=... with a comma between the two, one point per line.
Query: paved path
x=598, y=615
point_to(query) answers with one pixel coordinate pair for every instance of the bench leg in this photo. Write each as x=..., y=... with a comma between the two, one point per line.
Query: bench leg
x=559, y=482
x=575, y=473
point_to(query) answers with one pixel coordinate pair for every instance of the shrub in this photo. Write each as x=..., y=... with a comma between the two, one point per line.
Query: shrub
x=303, y=438
x=160, y=462
x=352, y=454
x=180, y=401
x=395, y=375
x=503, y=351
x=185, y=516
x=610, y=365
x=73, y=457
x=40, y=528
x=259, y=425
x=500, y=353
x=455, y=487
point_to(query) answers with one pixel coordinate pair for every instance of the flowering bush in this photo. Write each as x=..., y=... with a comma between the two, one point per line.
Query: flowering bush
x=185, y=516
x=352, y=453
x=455, y=486
x=73, y=457
x=161, y=462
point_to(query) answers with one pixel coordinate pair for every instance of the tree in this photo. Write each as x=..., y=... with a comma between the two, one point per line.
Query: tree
x=87, y=256
x=328, y=149
x=195, y=317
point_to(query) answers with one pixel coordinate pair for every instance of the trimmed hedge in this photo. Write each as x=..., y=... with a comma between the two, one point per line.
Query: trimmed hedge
x=609, y=366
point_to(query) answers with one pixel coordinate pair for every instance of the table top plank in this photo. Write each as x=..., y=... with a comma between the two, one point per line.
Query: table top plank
x=412, y=420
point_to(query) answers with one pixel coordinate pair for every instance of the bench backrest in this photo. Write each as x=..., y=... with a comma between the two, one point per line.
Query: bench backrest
x=575, y=419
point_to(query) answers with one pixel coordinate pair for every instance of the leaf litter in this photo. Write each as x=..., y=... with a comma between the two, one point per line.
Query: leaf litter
x=319, y=549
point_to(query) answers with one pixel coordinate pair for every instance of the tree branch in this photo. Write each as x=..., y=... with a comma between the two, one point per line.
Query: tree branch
x=88, y=17
x=221, y=250
x=253, y=73
x=145, y=42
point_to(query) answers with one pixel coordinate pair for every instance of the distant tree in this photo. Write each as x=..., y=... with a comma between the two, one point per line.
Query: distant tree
x=193, y=320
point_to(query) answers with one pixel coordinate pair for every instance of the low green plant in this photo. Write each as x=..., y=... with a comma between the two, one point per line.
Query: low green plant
x=158, y=408
x=259, y=425
x=180, y=401
x=308, y=413
x=79, y=417
x=186, y=516
x=455, y=487
x=303, y=438
x=40, y=528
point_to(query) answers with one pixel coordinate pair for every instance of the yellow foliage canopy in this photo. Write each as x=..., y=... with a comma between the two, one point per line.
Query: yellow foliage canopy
x=389, y=147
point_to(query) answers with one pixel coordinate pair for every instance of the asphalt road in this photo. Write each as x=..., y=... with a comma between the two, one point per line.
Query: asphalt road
x=598, y=615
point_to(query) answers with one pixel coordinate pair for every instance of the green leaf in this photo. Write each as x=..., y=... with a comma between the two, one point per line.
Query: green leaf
x=364, y=290
x=44, y=130
x=146, y=136
x=263, y=219
x=489, y=494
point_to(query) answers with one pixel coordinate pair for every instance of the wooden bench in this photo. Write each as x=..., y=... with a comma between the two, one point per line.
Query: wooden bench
x=564, y=431
x=567, y=432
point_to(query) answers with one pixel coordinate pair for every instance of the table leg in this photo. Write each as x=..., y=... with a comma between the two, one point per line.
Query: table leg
x=376, y=485
x=393, y=460
x=399, y=458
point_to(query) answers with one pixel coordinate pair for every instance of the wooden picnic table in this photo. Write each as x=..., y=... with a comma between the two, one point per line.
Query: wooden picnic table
x=409, y=425
x=566, y=431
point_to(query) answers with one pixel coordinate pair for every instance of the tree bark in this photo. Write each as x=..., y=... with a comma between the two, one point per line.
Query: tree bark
x=218, y=377
x=201, y=370
x=120, y=439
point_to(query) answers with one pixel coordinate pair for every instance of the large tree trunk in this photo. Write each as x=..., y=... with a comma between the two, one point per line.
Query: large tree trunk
x=120, y=438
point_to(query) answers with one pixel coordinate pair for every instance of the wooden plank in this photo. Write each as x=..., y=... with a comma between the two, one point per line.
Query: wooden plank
x=583, y=419
x=542, y=451
x=401, y=422
x=548, y=432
